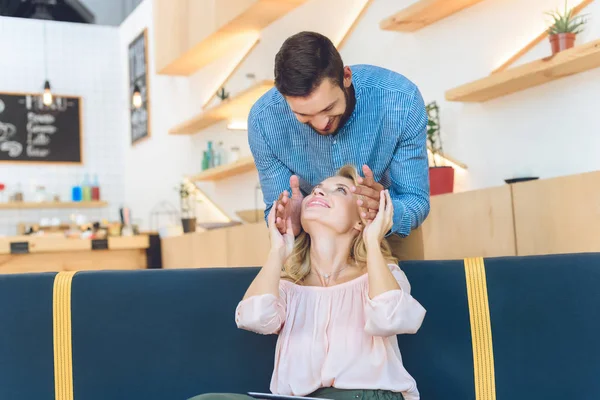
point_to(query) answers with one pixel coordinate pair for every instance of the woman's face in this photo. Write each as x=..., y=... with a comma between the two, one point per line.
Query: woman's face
x=332, y=204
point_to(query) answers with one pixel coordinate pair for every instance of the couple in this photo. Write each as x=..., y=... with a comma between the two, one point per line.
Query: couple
x=337, y=299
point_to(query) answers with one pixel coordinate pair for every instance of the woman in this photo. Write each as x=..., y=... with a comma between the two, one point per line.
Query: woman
x=337, y=299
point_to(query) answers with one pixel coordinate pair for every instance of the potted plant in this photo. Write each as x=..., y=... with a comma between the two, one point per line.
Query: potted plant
x=441, y=177
x=564, y=29
x=188, y=199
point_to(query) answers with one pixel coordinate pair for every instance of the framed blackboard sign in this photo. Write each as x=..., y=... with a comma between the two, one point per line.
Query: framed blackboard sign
x=33, y=133
x=138, y=79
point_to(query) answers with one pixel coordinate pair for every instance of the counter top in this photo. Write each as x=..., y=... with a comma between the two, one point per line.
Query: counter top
x=55, y=244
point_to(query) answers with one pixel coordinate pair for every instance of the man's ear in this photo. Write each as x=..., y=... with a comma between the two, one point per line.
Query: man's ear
x=347, y=77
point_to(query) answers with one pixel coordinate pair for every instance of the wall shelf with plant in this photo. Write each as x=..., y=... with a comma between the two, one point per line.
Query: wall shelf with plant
x=565, y=60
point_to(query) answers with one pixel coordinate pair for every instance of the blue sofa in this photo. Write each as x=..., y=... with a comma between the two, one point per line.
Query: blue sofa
x=170, y=334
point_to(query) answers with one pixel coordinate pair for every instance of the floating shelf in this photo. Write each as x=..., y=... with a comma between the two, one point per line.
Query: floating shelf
x=567, y=62
x=245, y=164
x=185, y=43
x=424, y=13
x=575, y=10
x=51, y=204
x=235, y=107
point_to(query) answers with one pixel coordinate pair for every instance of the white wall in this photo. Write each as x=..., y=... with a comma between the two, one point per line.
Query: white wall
x=83, y=60
x=545, y=131
x=522, y=134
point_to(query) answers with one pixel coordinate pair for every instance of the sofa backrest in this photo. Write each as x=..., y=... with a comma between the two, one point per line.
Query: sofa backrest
x=170, y=334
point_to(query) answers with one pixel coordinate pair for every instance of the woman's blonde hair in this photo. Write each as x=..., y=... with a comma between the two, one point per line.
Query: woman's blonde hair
x=297, y=266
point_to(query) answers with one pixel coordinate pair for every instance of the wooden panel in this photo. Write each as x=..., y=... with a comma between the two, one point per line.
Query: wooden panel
x=241, y=166
x=424, y=13
x=251, y=216
x=43, y=244
x=576, y=10
x=73, y=261
x=248, y=245
x=559, y=215
x=578, y=59
x=238, y=246
x=52, y=204
x=193, y=33
x=470, y=224
x=129, y=242
x=236, y=107
x=177, y=252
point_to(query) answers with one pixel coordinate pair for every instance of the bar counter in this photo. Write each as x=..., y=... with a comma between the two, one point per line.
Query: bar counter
x=22, y=254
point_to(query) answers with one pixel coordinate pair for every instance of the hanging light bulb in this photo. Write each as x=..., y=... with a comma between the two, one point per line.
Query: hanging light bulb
x=47, y=96
x=136, y=99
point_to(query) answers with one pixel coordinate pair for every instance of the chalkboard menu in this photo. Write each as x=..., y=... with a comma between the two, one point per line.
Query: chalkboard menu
x=32, y=132
x=138, y=77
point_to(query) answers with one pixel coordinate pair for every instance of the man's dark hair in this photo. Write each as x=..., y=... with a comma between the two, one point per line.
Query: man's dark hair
x=303, y=61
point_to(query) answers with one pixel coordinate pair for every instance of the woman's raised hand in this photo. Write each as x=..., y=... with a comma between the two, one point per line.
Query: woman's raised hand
x=281, y=244
x=375, y=230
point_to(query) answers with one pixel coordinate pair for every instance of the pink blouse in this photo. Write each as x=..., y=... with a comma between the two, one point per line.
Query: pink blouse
x=336, y=336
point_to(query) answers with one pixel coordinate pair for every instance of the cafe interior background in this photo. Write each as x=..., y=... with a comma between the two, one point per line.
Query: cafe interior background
x=151, y=100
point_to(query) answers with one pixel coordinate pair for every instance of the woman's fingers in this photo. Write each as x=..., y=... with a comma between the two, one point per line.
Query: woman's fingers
x=290, y=229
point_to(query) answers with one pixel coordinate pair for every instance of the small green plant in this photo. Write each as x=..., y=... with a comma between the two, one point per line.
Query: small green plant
x=222, y=94
x=566, y=22
x=434, y=140
x=188, y=197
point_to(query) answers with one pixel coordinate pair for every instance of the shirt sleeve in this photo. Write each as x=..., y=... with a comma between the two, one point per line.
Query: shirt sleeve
x=409, y=170
x=274, y=176
x=394, y=312
x=263, y=314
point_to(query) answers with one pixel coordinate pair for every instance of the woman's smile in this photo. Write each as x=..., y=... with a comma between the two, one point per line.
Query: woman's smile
x=317, y=202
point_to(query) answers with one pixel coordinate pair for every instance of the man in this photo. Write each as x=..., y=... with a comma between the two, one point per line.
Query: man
x=322, y=115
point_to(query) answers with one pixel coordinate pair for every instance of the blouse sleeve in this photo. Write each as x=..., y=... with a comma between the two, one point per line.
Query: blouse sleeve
x=394, y=312
x=263, y=314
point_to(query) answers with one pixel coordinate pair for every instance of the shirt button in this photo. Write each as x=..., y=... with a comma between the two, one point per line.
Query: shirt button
x=335, y=141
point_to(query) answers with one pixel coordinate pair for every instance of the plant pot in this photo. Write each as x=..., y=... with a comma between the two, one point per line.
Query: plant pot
x=441, y=180
x=189, y=224
x=562, y=41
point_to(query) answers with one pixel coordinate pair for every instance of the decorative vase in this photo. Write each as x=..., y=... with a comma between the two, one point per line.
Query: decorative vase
x=441, y=180
x=189, y=225
x=562, y=41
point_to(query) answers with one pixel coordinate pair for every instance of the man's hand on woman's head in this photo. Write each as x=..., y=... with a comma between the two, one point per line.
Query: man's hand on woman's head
x=370, y=190
x=289, y=207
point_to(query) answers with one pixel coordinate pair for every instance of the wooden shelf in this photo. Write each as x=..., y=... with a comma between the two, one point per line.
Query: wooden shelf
x=234, y=107
x=575, y=10
x=189, y=36
x=245, y=164
x=424, y=13
x=51, y=204
x=569, y=62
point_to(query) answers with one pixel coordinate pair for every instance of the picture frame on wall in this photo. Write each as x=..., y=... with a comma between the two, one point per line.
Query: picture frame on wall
x=31, y=132
x=138, y=82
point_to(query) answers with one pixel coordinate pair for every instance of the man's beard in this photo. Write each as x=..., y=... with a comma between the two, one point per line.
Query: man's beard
x=350, y=97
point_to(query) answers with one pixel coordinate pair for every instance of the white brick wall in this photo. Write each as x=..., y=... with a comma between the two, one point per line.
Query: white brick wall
x=83, y=60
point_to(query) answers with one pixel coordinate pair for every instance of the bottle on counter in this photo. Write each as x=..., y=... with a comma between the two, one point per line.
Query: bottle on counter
x=219, y=154
x=211, y=155
x=76, y=193
x=95, y=189
x=86, y=188
x=205, y=164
